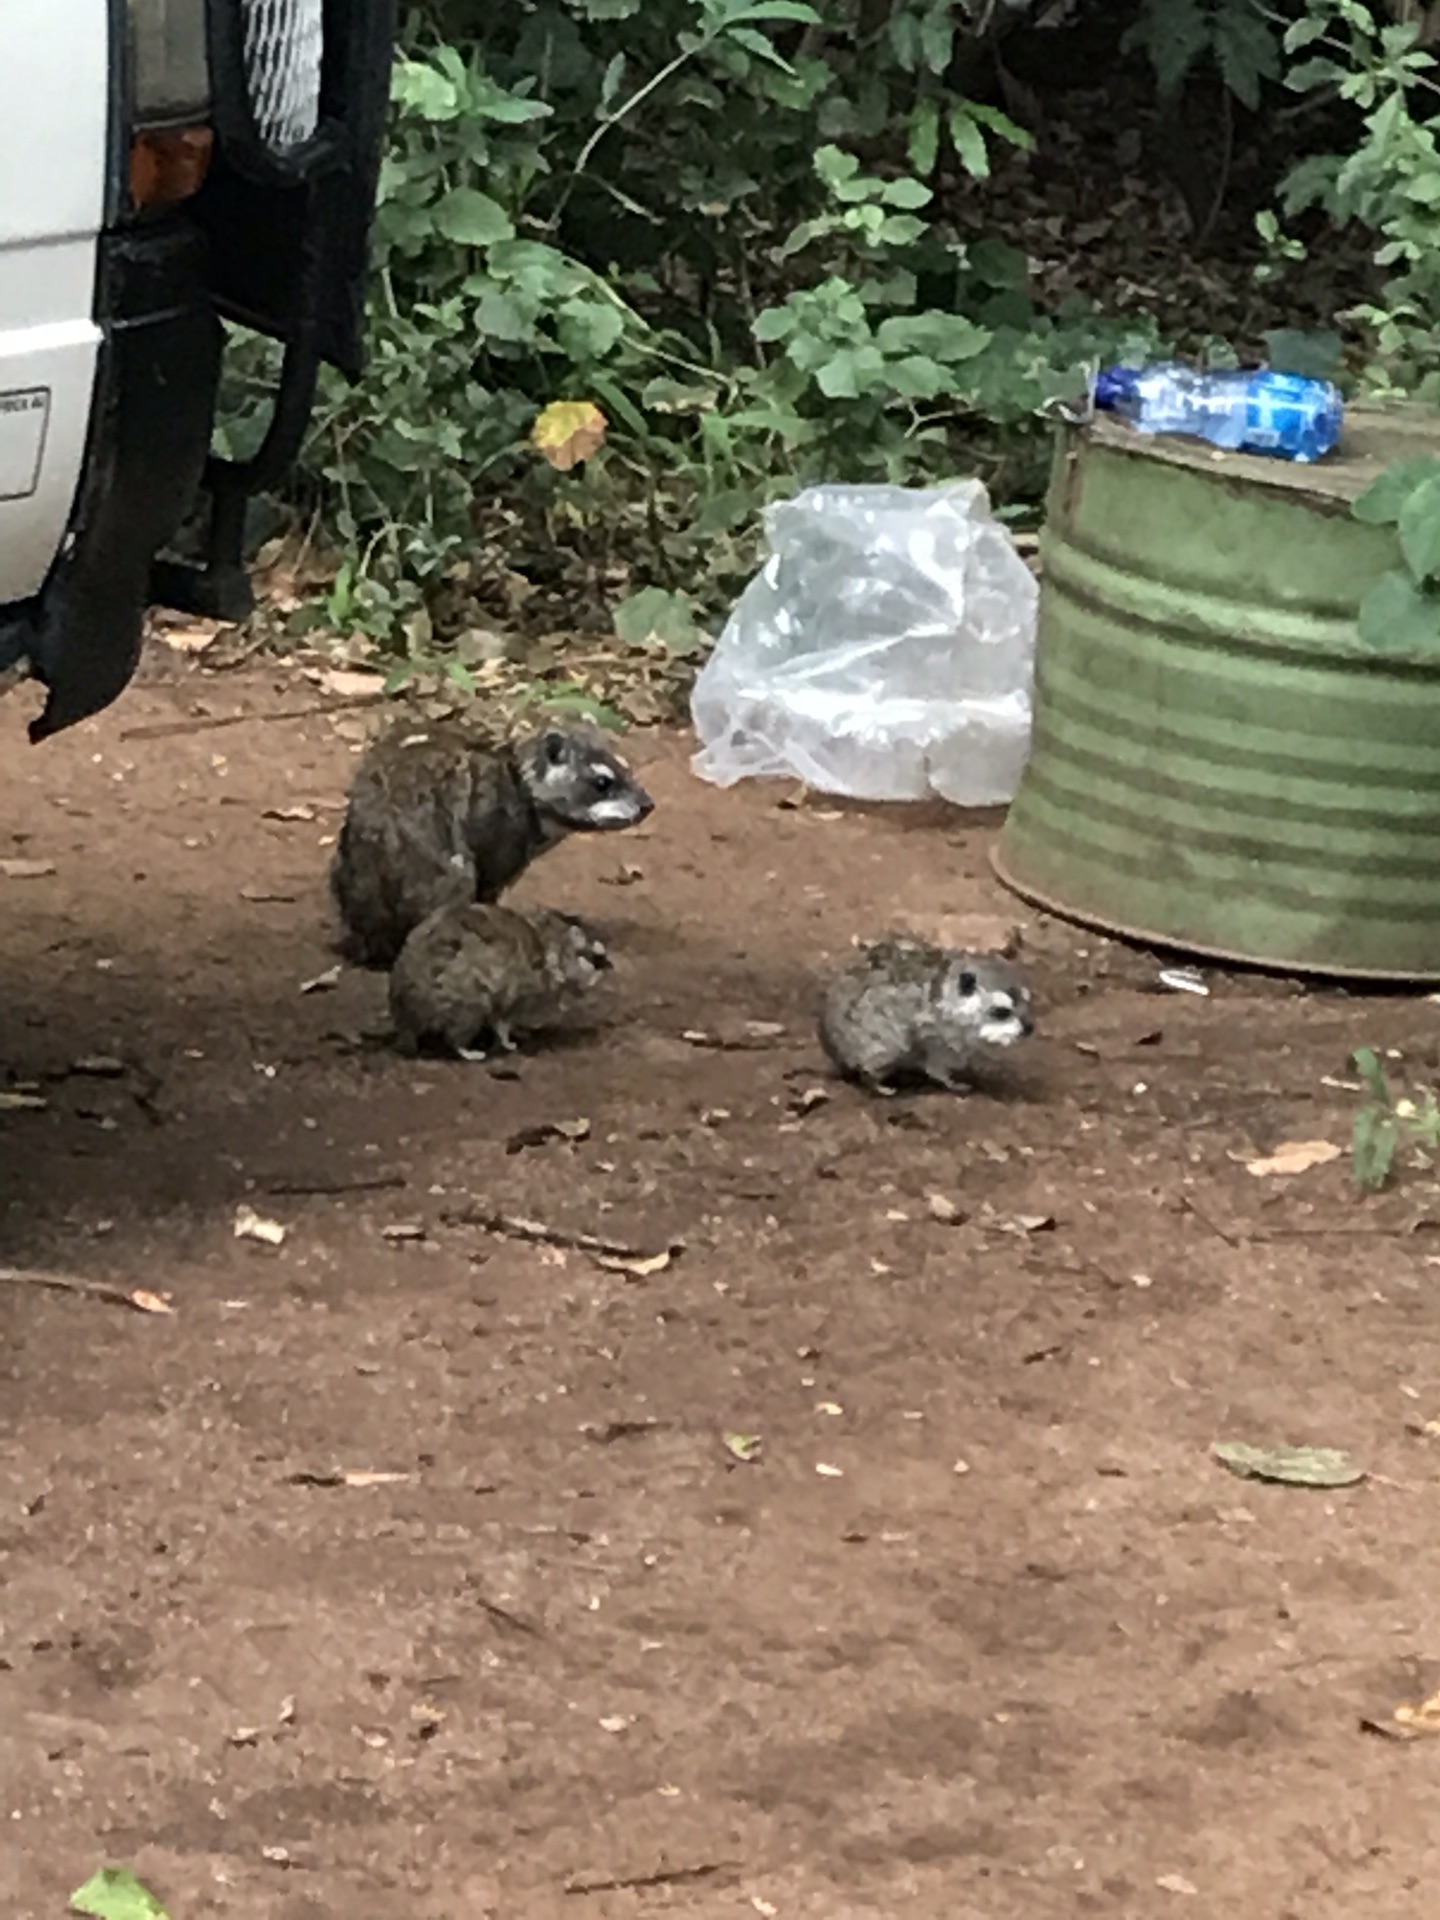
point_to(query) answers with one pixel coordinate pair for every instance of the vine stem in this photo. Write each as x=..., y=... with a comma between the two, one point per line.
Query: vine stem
x=612, y=120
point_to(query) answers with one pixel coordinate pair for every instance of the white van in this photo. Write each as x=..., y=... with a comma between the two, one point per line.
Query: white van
x=165, y=166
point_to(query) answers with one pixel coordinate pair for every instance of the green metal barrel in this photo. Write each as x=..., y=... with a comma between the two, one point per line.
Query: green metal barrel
x=1219, y=763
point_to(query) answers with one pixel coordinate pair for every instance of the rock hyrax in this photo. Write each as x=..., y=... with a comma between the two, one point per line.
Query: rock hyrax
x=473, y=977
x=907, y=1010
x=438, y=817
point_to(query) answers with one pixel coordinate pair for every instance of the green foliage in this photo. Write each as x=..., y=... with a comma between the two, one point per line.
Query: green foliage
x=1234, y=36
x=719, y=221
x=1401, y=612
x=1384, y=1124
x=1389, y=181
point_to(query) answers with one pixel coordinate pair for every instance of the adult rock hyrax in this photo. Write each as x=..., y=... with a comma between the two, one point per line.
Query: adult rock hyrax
x=471, y=978
x=440, y=816
x=906, y=1010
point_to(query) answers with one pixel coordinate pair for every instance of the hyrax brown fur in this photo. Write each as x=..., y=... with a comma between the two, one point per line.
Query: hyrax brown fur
x=906, y=1010
x=473, y=977
x=440, y=816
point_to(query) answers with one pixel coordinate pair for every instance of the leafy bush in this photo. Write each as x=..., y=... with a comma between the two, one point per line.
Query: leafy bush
x=732, y=224
x=722, y=221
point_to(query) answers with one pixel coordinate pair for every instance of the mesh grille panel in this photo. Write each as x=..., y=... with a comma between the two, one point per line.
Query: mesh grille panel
x=284, y=40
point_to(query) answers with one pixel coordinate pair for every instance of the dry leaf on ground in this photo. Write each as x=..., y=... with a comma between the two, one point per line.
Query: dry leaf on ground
x=250, y=1225
x=1294, y=1156
x=351, y=683
x=638, y=1266
x=1289, y=1466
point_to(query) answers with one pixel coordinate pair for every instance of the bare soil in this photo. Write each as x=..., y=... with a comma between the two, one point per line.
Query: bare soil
x=407, y=1568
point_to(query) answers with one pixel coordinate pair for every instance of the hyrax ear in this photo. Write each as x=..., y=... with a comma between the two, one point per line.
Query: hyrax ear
x=554, y=746
x=967, y=982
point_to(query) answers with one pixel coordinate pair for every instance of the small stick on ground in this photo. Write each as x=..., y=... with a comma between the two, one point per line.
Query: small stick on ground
x=342, y=1183
x=72, y=1283
x=207, y=723
x=661, y=1877
x=514, y=1226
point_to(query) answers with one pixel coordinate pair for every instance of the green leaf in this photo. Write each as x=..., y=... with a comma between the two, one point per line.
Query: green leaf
x=937, y=39
x=799, y=11
x=997, y=264
x=1247, y=52
x=1304, y=33
x=611, y=82
x=652, y=617
x=775, y=323
x=941, y=336
x=1298, y=350
x=1313, y=73
x=969, y=143
x=1289, y=1466
x=1397, y=616
x=588, y=329
x=1175, y=34
x=756, y=43
x=1370, y=1070
x=1381, y=503
x=835, y=167
x=472, y=219
x=1420, y=529
x=578, y=701
x=906, y=193
x=115, y=1894
x=1372, y=1157
x=850, y=372
x=924, y=144
x=918, y=377
x=424, y=91
x=1001, y=123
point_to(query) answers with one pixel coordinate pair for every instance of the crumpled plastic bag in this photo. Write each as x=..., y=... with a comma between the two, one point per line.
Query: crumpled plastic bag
x=885, y=651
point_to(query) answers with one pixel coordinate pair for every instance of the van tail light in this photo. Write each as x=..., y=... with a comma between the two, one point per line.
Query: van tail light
x=169, y=164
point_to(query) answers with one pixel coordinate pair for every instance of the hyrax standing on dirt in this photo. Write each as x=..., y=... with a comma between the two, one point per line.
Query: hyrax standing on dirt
x=474, y=975
x=907, y=1010
x=438, y=816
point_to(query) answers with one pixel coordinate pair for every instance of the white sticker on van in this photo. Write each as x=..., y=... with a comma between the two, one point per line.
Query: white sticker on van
x=24, y=416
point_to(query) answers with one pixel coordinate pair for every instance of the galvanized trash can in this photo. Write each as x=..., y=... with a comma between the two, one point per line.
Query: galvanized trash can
x=1219, y=763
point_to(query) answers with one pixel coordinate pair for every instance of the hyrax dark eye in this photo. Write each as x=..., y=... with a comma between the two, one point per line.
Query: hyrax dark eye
x=602, y=779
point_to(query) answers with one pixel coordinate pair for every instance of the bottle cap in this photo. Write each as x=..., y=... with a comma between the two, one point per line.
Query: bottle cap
x=1115, y=384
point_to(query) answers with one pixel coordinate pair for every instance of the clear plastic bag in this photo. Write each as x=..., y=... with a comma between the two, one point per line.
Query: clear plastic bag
x=885, y=651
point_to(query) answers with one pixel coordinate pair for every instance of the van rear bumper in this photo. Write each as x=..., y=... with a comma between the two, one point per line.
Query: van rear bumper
x=148, y=436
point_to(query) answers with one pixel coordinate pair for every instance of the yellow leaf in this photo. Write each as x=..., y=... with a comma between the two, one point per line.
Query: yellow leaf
x=569, y=431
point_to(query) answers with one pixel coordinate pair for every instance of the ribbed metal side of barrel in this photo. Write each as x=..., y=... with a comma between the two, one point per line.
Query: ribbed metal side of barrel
x=1218, y=762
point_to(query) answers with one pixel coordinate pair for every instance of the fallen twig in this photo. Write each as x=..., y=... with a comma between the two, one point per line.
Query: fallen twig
x=139, y=1298
x=514, y=1226
x=342, y=1183
x=207, y=723
x=504, y=1617
x=661, y=1877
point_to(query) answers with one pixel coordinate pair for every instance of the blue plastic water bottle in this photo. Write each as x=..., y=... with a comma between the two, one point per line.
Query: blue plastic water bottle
x=1282, y=414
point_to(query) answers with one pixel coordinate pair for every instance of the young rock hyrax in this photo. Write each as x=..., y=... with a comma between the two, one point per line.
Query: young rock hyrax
x=472, y=977
x=907, y=1010
x=438, y=817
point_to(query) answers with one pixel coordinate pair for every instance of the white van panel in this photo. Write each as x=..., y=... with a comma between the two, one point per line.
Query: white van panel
x=54, y=138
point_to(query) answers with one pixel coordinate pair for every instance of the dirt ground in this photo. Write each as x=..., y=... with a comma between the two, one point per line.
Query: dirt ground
x=405, y=1569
